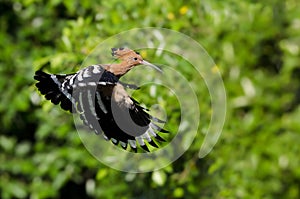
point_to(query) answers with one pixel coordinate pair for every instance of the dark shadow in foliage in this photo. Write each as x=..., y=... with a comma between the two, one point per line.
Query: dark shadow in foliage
x=8, y=17
x=74, y=190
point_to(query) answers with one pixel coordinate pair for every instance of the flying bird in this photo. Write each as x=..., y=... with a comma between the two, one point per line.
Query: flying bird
x=101, y=100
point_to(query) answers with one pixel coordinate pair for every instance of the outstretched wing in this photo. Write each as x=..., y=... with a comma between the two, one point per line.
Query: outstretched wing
x=59, y=88
x=122, y=120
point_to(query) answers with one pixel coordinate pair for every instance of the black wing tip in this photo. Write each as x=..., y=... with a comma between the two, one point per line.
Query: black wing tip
x=158, y=128
x=38, y=72
x=134, y=149
x=145, y=147
x=40, y=75
x=164, y=131
x=159, y=138
x=152, y=143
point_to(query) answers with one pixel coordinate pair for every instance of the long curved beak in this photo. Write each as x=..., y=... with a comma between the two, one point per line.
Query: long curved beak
x=151, y=65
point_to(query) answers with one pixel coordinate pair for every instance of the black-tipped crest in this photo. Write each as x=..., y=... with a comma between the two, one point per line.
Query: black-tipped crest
x=121, y=52
x=118, y=52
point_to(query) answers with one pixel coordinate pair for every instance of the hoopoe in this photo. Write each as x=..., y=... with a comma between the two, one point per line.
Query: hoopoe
x=100, y=98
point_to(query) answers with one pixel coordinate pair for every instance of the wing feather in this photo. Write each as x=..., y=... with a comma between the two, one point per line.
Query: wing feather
x=103, y=105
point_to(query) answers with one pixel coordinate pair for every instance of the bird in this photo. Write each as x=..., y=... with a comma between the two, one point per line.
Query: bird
x=102, y=102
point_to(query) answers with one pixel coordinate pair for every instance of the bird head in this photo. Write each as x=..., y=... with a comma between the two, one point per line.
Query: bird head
x=130, y=58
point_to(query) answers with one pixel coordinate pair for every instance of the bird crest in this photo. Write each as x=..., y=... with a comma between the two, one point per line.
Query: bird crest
x=122, y=53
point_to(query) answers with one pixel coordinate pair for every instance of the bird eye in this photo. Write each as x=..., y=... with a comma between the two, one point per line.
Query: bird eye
x=135, y=59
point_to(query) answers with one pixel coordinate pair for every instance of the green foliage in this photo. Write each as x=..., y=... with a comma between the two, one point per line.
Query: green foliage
x=256, y=46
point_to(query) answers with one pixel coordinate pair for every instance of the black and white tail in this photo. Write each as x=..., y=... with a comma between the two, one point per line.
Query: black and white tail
x=51, y=86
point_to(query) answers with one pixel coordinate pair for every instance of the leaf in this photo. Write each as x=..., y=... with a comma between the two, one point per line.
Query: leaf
x=159, y=177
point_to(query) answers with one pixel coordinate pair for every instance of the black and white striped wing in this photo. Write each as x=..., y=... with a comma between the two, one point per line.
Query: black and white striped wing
x=92, y=93
x=122, y=122
x=59, y=88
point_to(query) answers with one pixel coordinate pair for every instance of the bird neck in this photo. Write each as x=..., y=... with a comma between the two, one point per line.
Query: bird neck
x=118, y=69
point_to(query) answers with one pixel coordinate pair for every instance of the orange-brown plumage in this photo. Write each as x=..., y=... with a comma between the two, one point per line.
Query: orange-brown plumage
x=129, y=59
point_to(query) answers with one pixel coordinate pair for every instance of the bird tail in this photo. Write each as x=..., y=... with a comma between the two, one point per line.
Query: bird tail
x=50, y=86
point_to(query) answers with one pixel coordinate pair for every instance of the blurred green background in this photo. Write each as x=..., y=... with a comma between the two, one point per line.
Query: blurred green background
x=256, y=45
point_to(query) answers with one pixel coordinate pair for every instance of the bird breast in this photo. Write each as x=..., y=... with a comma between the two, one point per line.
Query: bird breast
x=121, y=97
x=118, y=94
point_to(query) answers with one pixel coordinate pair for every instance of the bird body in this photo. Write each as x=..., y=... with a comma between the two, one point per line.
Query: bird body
x=100, y=98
